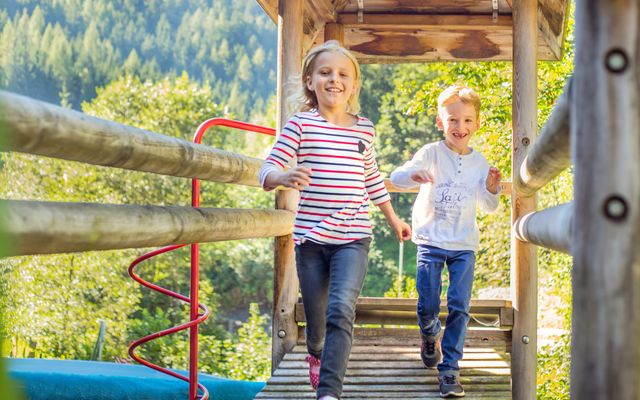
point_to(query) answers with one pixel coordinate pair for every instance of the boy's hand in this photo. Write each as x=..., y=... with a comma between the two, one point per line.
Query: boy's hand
x=403, y=230
x=493, y=180
x=421, y=176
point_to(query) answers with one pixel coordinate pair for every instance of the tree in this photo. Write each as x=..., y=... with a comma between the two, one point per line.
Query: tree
x=54, y=302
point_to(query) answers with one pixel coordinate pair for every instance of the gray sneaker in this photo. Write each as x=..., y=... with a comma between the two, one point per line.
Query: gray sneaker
x=450, y=386
x=431, y=350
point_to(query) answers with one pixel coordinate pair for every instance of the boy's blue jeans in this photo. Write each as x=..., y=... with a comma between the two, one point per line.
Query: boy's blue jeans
x=331, y=278
x=431, y=261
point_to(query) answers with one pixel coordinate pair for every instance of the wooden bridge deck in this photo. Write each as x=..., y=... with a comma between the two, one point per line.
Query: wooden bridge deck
x=385, y=361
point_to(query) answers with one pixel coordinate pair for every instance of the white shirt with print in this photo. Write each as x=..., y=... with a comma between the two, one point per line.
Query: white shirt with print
x=444, y=213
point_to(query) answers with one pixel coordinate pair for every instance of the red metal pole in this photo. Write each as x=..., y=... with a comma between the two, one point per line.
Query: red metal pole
x=194, y=305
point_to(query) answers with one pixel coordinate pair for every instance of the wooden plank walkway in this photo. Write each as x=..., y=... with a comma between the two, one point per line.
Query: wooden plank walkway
x=385, y=361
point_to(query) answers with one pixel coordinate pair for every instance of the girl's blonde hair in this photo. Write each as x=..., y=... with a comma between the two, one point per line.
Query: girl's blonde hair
x=305, y=99
x=464, y=93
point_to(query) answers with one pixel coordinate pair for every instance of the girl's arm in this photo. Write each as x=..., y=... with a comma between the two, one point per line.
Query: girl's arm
x=272, y=173
x=296, y=178
x=401, y=228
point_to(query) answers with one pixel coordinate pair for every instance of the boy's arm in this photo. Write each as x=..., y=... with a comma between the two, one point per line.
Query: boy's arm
x=401, y=228
x=489, y=196
x=413, y=173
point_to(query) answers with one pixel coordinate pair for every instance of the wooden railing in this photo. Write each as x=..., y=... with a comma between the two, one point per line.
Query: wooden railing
x=548, y=157
x=50, y=227
x=39, y=227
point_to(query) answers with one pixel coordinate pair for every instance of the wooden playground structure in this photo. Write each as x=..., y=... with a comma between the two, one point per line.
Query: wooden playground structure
x=595, y=127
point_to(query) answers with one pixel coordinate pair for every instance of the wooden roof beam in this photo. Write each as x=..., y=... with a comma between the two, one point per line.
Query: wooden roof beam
x=408, y=21
x=270, y=7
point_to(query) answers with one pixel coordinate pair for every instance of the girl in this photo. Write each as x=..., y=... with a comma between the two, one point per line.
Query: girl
x=337, y=175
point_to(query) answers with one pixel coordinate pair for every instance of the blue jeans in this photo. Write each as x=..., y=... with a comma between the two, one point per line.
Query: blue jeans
x=431, y=261
x=331, y=278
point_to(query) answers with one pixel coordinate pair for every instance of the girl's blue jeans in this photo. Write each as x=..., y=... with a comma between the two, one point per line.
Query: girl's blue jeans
x=331, y=278
x=431, y=261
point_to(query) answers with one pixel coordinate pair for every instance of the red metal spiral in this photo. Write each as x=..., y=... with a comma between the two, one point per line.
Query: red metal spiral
x=194, y=315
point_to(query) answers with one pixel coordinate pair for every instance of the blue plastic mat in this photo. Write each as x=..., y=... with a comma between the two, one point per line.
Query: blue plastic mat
x=43, y=379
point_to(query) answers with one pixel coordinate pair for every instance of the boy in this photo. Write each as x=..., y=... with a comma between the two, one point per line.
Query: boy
x=453, y=179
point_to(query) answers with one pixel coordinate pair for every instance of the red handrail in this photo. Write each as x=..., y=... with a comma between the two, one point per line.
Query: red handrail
x=194, y=316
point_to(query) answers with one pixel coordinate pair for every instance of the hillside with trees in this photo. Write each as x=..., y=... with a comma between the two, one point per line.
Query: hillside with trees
x=61, y=51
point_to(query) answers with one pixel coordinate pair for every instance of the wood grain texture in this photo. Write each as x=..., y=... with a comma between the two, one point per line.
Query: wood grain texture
x=385, y=34
x=524, y=263
x=388, y=311
x=285, y=280
x=52, y=227
x=550, y=228
x=605, y=127
x=381, y=369
x=550, y=154
x=39, y=128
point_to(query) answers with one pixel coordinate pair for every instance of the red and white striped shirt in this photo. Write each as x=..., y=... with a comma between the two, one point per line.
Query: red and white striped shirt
x=334, y=208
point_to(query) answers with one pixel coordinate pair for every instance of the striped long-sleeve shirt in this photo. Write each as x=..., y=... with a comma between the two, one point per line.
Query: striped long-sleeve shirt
x=334, y=208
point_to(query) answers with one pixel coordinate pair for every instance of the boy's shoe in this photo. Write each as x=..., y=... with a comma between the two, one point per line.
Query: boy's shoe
x=314, y=370
x=450, y=386
x=431, y=350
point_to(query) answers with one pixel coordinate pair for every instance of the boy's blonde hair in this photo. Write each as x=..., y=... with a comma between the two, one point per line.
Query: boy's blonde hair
x=464, y=93
x=305, y=99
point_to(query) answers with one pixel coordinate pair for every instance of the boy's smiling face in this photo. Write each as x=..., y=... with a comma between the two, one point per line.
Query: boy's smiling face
x=459, y=121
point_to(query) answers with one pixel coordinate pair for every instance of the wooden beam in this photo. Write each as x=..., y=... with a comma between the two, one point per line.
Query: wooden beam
x=431, y=6
x=333, y=31
x=549, y=155
x=285, y=279
x=553, y=20
x=270, y=7
x=524, y=263
x=605, y=127
x=550, y=228
x=51, y=227
x=400, y=38
x=426, y=21
x=44, y=129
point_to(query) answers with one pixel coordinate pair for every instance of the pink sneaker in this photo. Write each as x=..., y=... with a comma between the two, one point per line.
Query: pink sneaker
x=314, y=370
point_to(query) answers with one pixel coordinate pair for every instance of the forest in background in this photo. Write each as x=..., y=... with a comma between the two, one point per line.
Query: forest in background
x=39, y=292
x=61, y=51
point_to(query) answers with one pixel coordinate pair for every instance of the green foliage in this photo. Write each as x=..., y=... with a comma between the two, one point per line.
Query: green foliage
x=61, y=51
x=7, y=386
x=554, y=363
x=55, y=302
x=251, y=355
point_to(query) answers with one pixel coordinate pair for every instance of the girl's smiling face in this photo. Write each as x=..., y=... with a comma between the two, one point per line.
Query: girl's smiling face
x=459, y=121
x=333, y=80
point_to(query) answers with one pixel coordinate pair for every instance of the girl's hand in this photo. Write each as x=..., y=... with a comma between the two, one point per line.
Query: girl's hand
x=421, y=176
x=493, y=180
x=403, y=230
x=296, y=178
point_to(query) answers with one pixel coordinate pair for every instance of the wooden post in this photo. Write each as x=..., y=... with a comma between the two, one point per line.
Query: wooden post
x=524, y=263
x=605, y=130
x=285, y=279
x=333, y=31
x=550, y=154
